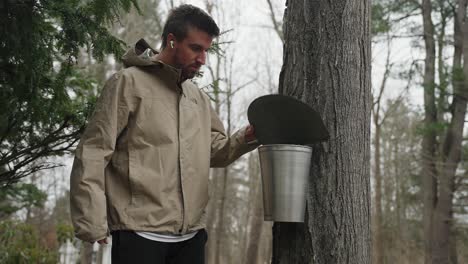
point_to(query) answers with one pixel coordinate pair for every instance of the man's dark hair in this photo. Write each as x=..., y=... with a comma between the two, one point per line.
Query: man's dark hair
x=185, y=16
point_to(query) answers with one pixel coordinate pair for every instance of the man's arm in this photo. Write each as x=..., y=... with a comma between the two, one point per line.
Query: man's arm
x=225, y=149
x=87, y=179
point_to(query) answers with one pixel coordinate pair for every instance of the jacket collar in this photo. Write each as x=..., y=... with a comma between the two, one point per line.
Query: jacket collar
x=142, y=54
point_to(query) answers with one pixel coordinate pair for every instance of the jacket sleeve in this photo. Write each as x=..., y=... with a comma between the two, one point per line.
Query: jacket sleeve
x=226, y=149
x=97, y=143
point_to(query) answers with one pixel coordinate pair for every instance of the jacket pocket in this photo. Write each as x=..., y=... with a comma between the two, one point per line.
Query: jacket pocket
x=147, y=185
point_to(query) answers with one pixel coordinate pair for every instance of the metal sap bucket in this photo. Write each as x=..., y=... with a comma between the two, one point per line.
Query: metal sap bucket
x=285, y=172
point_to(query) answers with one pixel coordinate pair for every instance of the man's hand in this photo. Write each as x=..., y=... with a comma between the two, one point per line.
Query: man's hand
x=250, y=137
x=102, y=241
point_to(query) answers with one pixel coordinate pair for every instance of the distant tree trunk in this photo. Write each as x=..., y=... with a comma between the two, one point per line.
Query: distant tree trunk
x=100, y=254
x=378, y=243
x=453, y=245
x=217, y=179
x=378, y=122
x=429, y=172
x=387, y=220
x=327, y=65
x=213, y=213
x=255, y=221
x=438, y=183
x=86, y=253
x=221, y=251
x=452, y=144
x=400, y=249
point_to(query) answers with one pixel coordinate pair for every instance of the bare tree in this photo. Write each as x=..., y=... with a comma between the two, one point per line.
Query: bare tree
x=439, y=165
x=429, y=139
x=451, y=146
x=222, y=221
x=259, y=231
x=378, y=122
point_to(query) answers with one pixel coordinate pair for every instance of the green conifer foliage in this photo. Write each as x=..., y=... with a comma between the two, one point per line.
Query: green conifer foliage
x=44, y=99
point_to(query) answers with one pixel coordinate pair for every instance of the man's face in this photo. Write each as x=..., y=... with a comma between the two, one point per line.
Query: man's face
x=190, y=53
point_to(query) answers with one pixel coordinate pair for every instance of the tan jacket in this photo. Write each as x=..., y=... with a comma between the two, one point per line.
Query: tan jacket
x=143, y=161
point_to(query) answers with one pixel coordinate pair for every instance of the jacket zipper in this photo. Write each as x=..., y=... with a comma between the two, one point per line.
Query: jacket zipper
x=181, y=229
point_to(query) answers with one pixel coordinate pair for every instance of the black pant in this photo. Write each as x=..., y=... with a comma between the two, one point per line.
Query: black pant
x=129, y=248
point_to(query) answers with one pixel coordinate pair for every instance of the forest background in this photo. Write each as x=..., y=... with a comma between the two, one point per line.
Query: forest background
x=56, y=55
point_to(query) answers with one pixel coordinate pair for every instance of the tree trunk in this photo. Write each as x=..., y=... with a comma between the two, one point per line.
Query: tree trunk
x=451, y=151
x=213, y=207
x=255, y=233
x=327, y=65
x=453, y=245
x=86, y=253
x=100, y=254
x=220, y=250
x=378, y=245
x=428, y=171
x=400, y=249
x=387, y=201
x=216, y=179
x=378, y=256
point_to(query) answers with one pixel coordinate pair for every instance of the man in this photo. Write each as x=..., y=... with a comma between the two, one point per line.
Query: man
x=141, y=168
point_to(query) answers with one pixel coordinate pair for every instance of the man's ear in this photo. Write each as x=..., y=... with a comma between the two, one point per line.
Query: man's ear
x=170, y=40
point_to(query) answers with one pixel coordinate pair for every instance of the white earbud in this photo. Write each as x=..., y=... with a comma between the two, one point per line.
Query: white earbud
x=172, y=43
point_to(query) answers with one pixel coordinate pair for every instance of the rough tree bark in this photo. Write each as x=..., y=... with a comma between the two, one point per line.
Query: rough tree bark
x=327, y=65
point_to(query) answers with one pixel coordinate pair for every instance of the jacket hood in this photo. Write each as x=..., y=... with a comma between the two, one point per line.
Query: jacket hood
x=141, y=54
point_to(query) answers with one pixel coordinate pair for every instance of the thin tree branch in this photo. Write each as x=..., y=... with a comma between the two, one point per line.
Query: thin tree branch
x=276, y=24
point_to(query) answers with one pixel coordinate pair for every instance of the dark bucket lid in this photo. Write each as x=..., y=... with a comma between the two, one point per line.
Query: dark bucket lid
x=280, y=119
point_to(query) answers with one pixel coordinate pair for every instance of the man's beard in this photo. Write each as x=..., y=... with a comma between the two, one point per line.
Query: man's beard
x=189, y=73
